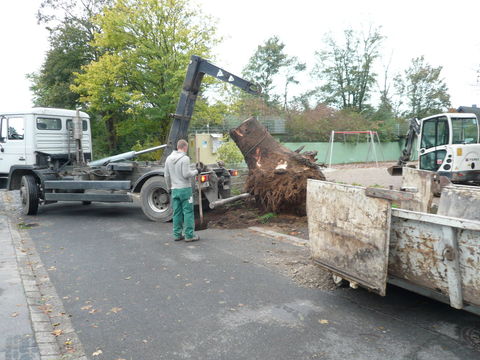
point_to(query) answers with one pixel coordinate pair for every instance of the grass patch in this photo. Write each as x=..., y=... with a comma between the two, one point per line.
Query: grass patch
x=265, y=218
x=24, y=226
x=235, y=192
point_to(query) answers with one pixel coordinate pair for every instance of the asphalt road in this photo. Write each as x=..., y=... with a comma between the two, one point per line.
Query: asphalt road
x=133, y=293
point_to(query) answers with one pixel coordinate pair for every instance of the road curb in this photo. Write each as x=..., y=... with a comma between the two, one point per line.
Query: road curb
x=279, y=236
x=53, y=330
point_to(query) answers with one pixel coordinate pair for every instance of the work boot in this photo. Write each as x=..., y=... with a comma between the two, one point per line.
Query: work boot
x=194, y=238
x=179, y=238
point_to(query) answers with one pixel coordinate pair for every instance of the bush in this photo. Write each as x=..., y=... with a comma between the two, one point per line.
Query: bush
x=152, y=156
x=229, y=152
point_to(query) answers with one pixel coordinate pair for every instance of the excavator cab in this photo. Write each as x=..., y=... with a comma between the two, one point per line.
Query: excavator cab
x=447, y=144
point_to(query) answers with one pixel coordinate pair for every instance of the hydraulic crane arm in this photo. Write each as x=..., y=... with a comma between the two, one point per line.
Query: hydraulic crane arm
x=413, y=132
x=197, y=68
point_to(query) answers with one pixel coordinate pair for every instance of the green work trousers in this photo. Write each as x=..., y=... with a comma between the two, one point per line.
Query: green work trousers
x=183, y=220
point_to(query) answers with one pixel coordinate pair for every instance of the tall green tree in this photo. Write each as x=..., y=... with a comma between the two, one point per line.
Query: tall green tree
x=345, y=69
x=70, y=32
x=266, y=63
x=291, y=69
x=146, y=46
x=423, y=89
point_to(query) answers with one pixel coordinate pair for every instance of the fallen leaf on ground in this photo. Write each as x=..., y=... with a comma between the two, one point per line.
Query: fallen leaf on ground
x=15, y=314
x=323, y=321
x=57, y=332
x=116, y=309
x=86, y=307
x=96, y=353
x=128, y=278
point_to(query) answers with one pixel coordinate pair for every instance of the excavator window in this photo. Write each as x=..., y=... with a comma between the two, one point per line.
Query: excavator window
x=464, y=131
x=435, y=132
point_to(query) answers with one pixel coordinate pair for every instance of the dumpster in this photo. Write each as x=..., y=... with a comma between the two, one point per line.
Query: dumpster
x=357, y=235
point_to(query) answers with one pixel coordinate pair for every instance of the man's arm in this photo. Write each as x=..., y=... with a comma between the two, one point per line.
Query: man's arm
x=167, y=177
x=186, y=172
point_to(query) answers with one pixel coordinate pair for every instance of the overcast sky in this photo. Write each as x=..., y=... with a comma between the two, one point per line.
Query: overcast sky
x=446, y=32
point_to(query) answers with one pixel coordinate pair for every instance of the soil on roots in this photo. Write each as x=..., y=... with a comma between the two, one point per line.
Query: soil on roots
x=281, y=193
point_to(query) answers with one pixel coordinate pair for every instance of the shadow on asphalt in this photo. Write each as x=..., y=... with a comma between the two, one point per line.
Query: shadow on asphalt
x=99, y=210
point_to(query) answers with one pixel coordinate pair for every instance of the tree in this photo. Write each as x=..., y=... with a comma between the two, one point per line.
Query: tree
x=71, y=31
x=424, y=90
x=346, y=69
x=291, y=68
x=146, y=46
x=266, y=62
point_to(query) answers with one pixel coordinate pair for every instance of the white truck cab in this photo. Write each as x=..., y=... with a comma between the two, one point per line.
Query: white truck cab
x=28, y=137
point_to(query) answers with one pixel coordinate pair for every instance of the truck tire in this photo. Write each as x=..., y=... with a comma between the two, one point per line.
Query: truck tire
x=155, y=200
x=29, y=195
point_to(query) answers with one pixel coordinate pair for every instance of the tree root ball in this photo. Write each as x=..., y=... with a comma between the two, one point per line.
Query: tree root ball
x=277, y=176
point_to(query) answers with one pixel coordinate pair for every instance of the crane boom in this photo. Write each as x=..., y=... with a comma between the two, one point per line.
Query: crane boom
x=197, y=68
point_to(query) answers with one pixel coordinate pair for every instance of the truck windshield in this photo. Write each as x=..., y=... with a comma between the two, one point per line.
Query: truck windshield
x=464, y=131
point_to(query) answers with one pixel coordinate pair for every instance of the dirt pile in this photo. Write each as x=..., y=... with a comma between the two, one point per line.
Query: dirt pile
x=297, y=264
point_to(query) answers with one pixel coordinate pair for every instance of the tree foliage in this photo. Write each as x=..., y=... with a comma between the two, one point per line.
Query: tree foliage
x=423, y=88
x=71, y=30
x=229, y=152
x=317, y=124
x=270, y=62
x=146, y=46
x=265, y=63
x=346, y=69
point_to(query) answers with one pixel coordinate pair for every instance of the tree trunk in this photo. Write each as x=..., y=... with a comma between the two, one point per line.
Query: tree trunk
x=277, y=176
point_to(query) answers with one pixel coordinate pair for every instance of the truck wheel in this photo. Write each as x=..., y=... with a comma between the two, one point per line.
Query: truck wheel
x=29, y=195
x=155, y=200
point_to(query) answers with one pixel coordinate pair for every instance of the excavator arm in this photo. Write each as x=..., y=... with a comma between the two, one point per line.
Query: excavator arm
x=413, y=132
x=197, y=68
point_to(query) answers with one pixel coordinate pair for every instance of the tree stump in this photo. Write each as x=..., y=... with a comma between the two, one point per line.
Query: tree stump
x=277, y=176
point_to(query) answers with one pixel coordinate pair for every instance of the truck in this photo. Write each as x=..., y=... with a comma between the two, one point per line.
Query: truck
x=47, y=155
x=447, y=144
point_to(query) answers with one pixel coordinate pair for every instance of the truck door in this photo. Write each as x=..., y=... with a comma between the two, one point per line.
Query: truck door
x=12, y=142
x=433, y=143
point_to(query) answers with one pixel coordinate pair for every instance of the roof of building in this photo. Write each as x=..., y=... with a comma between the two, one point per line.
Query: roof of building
x=470, y=109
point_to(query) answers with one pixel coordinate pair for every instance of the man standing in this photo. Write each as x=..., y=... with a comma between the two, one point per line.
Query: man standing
x=178, y=177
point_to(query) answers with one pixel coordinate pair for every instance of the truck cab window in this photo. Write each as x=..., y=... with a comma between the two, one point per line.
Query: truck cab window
x=16, y=129
x=49, y=124
x=84, y=125
x=3, y=129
